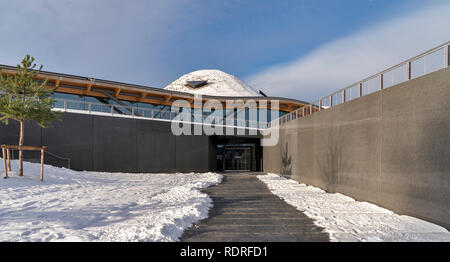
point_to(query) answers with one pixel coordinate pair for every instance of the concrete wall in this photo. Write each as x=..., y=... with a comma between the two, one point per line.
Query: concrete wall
x=391, y=148
x=116, y=144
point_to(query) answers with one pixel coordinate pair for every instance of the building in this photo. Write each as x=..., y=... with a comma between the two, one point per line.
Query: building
x=119, y=127
x=384, y=139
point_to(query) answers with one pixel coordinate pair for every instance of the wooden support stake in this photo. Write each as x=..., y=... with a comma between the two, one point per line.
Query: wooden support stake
x=42, y=164
x=4, y=162
x=9, y=159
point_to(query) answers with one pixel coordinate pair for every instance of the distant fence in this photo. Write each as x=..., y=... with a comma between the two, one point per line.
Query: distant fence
x=422, y=64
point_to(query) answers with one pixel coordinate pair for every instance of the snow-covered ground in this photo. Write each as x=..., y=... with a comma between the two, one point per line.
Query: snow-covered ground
x=92, y=206
x=348, y=220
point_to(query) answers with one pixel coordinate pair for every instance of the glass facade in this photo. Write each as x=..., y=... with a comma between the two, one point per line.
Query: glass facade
x=248, y=117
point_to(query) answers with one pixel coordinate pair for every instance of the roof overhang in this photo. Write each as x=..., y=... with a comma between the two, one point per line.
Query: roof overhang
x=136, y=93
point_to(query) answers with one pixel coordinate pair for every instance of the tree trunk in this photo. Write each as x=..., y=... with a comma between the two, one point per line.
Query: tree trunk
x=22, y=123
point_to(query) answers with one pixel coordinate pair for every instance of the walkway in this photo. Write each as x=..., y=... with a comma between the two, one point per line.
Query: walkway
x=246, y=211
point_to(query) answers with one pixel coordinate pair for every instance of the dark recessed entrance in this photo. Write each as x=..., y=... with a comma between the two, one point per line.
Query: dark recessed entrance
x=238, y=154
x=236, y=157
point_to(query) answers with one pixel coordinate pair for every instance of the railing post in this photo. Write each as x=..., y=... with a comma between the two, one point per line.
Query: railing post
x=360, y=90
x=381, y=82
x=425, y=65
x=331, y=100
x=310, y=109
x=408, y=70
x=447, y=55
x=343, y=96
x=320, y=104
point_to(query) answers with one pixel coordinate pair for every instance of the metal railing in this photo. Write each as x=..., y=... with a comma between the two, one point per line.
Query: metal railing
x=76, y=106
x=28, y=157
x=422, y=64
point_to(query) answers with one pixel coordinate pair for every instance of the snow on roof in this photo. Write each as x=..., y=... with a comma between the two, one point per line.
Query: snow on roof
x=217, y=83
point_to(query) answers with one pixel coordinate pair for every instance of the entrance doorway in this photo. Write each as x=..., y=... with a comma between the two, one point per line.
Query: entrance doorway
x=237, y=158
x=238, y=154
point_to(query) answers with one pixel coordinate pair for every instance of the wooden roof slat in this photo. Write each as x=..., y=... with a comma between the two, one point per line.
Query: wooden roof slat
x=131, y=93
x=116, y=94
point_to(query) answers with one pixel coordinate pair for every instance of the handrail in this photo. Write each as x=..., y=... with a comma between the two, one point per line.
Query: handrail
x=430, y=51
x=135, y=112
x=16, y=148
x=318, y=106
x=60, y=157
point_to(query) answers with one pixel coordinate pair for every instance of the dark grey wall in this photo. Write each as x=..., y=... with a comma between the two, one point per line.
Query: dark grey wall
x=391, y=148
x=114, y=144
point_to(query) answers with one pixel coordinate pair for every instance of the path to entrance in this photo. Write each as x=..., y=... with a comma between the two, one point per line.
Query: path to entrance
x=245, y=210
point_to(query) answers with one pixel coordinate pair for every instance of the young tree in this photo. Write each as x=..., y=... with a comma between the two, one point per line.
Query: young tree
x=23, y=97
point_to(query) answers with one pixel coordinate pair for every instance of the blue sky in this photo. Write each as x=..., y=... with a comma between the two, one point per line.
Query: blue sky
x=266, y=43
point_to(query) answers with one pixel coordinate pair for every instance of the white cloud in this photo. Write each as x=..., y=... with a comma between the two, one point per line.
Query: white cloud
x=344, y=61
x=103, y=38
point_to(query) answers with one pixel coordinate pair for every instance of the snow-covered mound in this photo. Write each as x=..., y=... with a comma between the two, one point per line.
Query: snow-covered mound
x=218, y=83
x=91, y=206
x=348, y=220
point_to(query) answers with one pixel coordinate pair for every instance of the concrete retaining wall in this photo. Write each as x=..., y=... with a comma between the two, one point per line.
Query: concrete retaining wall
x=390, y=148
x=114, y=144
x=117, y=144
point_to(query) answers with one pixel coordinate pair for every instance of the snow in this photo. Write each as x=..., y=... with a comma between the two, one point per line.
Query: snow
x=218, y=84
x=92, y=206
x=348, y=220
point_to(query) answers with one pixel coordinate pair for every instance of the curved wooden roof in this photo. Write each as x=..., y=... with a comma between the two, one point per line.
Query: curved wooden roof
x=95, y=87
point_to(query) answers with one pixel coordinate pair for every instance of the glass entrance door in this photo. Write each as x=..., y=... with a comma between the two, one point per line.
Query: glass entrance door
x=237, y=158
